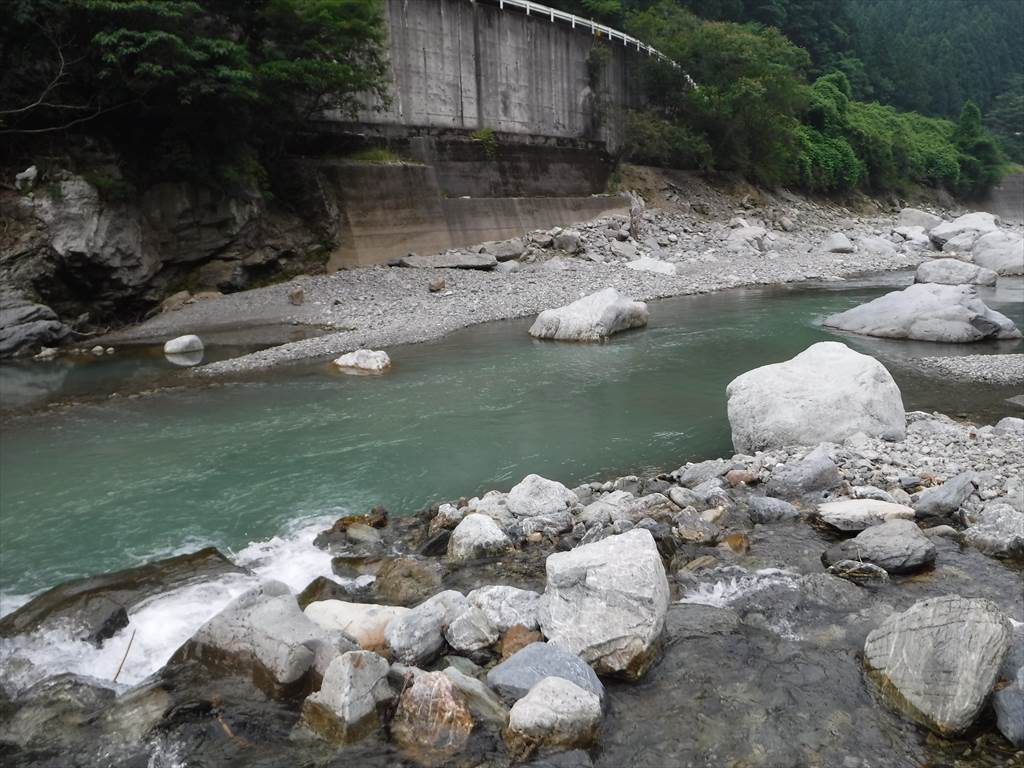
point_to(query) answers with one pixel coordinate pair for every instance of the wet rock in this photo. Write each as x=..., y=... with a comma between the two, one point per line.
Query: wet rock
x=407, y=580
x=998, y=530
x=1002, y=252
x=606, y=602
x=345, y=709
x=825, y=394
x=482, y=701
x=693, y=475
x=554, y=713
x=517, y=674
x=945, y=499
x=471, y=631
x=765, y=509
x=53, y=712
x=506, y=607
x=591, y=318
x=436, y=545
x=183, y=345
x=417, y=637
x=264, y=635
x=954, y=272
x=322, y=588
x=927, y=312
x=517, y=637
x=858, y=514
x=433, y=721
x=364, y=360
x=449, y=260
x=477, y=536
x=859, y=572
x=95, y=608
x=366, y=624
x=938, y=661
x=897, y=546
x=536, y=495
x=813, y=474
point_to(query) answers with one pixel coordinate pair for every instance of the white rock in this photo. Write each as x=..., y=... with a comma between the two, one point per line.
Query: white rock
x=344, y=710
x=647, y=264
x=858, y=514
x=365, y=360
x=477, y=536
x=959, y=246
x=746, y=239
x=471, y=631
x=363, y=622
x=969, y=222
x=536, y=495
x=417, y=637
x=27, y=178
x=606, y=602
x=1002, y=252
x=837, y=243
x=914, y=217
x=183, y=344
x=877, y=246
x=506, y=606
x=954, y=272
x=927, y=312
x=555, y=713
x=591, y=318
x=825, y=394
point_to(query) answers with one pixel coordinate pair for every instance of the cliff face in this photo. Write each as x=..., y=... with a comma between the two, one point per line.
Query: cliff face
x=98, y=262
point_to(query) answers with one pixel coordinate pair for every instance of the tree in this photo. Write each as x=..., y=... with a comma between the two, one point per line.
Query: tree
x=980, y=159
x=1006, y=118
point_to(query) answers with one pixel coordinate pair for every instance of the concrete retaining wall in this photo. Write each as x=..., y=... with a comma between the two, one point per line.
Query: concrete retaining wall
x=470, y=65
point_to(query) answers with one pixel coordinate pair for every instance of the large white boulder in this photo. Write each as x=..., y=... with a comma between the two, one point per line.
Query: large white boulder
x=370, y=360
x=837, y=243
x=345, y=709
x=927, y=312
x=363, y=622
x=954, y=272
x=914, y=217
x=647, y=264
x=591, y=318
x=535, y=495
x=477, y=536
x=825, y=394
x=1002, y=252
x=969, y=222
x=606, y=602
x=417, y=637
x=555, y=713
x=182, y=344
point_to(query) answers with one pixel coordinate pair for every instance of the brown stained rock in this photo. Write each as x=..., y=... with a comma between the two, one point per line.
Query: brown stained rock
x=737, y=542
x=432, y=722
x=736, y=477
x=408, y=580
x=516, y=638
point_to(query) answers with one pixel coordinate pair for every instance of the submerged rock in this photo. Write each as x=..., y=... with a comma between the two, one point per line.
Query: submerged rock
x=938, y=661
x=517, y=674
x=591, y=318
x=859, y=572
x=433, y=721
x=365, y=360
x=554, y=713
x=954, y=272
x=898, y=546
x=606, y=601
x=825, y=394
x=927, y=312
x=345, y=709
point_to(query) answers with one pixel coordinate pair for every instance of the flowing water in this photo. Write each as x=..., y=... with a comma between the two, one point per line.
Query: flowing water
x=255, y=468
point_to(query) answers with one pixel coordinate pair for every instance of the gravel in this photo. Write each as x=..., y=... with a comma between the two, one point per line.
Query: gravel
x=994, y=369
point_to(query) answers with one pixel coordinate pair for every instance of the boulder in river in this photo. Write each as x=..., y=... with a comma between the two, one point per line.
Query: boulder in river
x=954, y=272
x=264, y=635
x=826, y=393
x=978, y=222
x=938, y=661
x=555, y=713
x=345, y=709
x=371, y=361
x=535, y=495
x=1002, y=252
x=998, y=530
x=181, y=345
x=517, y=674
x=363, y=622
x=606, y=601
x=95, y=608
x=591, y=318
x=927, y=312
x=858, y=514
x=432, y=722
x=26, y=327
x=477, y=536
x=898, y=546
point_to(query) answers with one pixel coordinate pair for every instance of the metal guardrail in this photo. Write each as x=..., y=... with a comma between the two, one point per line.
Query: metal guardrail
x=596, y=29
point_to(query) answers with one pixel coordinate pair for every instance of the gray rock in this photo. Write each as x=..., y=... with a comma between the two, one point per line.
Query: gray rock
x=601, y=511
x=25, y=327
x=914, y=217
x=816, y=472
x=450, y=260
x=837, y=243
x=647, y=264
x=477, y=536
x=1009, y=425
x=1008, y=703
x=506, y=606
x=471, y=631
x=568, y=240
x=693, y=475
x=764, y=509
x=482, y=701
x=504, y=250
x=606, y=601
x=876, y=246
x=554, y=713
x=927, y=312
x=825, y=394
x=536, y=495
x=515, y=676
x=939, y=660
x=947, y=498
x=417, y=637
x=970, y=222
x=591, y=318
x=858, y=572
x=954, y=272
x=344, y=710
x=897, y=546
x=1002, y=252
x=997, y=530
x=858, y=514
x=871, y=492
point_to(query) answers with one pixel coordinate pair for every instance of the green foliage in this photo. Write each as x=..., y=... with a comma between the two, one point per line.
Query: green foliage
x=827, y=163
x=1006, y=118
x=981, y=161
x=376, y=156
x=489, y=139
x=653, y=140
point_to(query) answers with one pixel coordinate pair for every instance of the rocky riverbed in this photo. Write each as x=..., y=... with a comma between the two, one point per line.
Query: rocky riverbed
x=999, y=369
x=853, y=602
